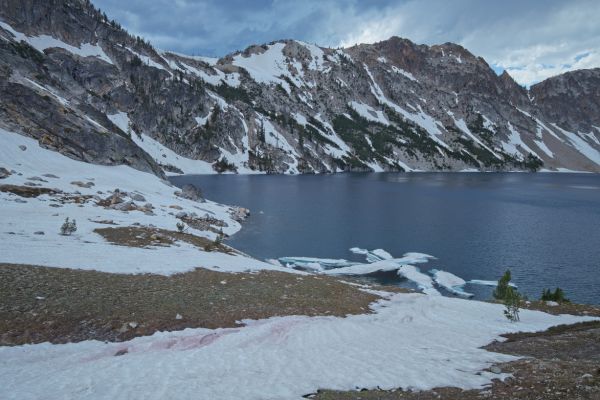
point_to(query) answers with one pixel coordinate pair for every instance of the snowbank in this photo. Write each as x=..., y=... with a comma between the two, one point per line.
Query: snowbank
x=415, y=342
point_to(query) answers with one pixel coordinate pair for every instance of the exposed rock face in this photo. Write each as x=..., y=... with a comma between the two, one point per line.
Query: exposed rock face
x=572, y=99
x=93, y=92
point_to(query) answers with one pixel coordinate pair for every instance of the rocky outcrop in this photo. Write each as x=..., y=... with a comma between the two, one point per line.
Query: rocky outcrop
x=572, y=99
x=93, y=92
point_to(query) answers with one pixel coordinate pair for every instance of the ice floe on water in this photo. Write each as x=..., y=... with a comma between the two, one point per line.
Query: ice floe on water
x=487, y=283
x=414, y=274
x=379, y=260
x=314, y=264
x=450, y=282
x=372, y=256
x=392, y=264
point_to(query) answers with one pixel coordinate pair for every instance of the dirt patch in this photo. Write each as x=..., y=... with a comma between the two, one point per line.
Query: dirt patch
x=39, y=304
x=564, y=342
x=27, y=191
x=561, y=363
x=144, y=237
x=562, y=308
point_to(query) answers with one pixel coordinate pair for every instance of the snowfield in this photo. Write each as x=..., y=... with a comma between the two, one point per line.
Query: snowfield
x=412, y=341
x=22, y=218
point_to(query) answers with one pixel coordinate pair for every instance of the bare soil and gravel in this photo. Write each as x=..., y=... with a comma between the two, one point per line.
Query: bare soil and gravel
x=39, y=304
x=144, y=236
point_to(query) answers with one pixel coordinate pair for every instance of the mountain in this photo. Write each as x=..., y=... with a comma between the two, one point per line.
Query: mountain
x=81, y=85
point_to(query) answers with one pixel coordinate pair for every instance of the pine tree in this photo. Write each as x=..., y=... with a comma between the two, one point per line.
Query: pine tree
x=511, y=304
x=510, y=297
x=503, y=287
x=68, y=227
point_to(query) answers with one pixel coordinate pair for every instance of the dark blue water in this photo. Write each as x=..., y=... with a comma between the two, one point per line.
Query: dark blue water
x=544, y=227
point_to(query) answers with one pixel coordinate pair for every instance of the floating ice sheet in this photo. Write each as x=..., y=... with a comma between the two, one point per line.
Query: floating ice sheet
x=373, y=255
x=316, y=264
x=450, y=282
x=487, y=283
x=392, y=264
x=423, y=281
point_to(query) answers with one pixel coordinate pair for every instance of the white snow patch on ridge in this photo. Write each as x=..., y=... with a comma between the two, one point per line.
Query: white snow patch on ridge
x=581, y=145
x=462, y=125
x=515, y=143
x=404, y=73
x=369, y=113
x=160, y=153
x=425, y=121
x=44, y=42
x=60, y=99
x=268, y=66
x=148, y=61
x=411, y=341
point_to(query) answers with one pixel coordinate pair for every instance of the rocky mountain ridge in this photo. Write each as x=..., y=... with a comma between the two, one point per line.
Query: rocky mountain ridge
x=82, y=85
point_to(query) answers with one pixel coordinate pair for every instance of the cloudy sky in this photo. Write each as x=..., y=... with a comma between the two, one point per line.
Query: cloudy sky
x=532, y=39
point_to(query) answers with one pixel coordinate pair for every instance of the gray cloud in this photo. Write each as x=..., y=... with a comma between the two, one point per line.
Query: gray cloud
x=531, y=39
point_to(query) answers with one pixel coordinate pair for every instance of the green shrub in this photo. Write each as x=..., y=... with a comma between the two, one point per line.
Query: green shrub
x=558, y=295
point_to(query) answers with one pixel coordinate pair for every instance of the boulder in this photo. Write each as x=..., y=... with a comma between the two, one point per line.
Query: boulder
x=4, y=173
x=191, y=192
x=181, y=215
x=86, y=185
x=115, y=198
x=138, y=197
x=125, y=206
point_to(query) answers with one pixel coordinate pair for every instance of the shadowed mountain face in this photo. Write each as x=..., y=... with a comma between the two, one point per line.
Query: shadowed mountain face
x=82, y=86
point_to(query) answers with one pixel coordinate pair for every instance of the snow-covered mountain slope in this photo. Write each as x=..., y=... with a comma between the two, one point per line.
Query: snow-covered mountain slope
x=31, y=225
x=283, y=107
